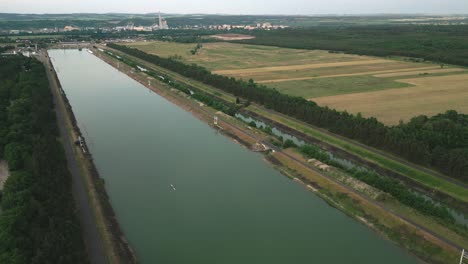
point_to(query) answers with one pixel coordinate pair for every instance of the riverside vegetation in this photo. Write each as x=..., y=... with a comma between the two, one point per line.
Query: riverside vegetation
x=38, y=222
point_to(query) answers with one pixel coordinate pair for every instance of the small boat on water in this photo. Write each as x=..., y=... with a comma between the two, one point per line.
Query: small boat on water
x=173, y=187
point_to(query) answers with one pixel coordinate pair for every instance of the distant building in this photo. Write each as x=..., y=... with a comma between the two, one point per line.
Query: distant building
x=70, y=28
x=141, y=28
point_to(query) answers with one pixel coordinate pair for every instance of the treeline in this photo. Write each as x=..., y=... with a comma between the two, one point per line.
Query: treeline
x=37, y=221
x=388, y=185
x=6, y=48
x=439, y=141
x=445, y=44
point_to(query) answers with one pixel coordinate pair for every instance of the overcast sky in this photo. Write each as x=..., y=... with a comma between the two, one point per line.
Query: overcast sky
x=237, y=6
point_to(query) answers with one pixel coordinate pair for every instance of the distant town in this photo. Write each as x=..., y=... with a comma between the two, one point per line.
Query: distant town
x=161, y=24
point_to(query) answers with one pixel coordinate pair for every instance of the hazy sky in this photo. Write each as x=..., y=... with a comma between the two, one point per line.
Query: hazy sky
x=237, y=6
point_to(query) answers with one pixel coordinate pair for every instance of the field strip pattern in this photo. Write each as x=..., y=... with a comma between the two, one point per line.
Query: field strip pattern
x=418, y=71
x=429, y=96
x=351, y=74
x=300, y=67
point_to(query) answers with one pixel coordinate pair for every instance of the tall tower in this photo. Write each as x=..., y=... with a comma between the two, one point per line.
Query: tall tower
x=160, y=21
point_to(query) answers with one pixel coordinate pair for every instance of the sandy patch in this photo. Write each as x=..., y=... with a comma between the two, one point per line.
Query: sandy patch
x=228, y=37
x=4, y=173
x=418, y=71
x=348, y=75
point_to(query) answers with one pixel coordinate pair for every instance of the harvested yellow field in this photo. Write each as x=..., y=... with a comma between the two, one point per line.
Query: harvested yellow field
x=228, y=37
x=429, y=96
x=300, y=67
x=404, y=72
x=327, y=72
x=418, y=72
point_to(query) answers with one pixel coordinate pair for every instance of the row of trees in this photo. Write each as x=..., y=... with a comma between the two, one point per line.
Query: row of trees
x=38, y=222
x=6, y=48
x=439, y=141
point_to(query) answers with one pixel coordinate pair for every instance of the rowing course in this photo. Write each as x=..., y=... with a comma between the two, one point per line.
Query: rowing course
x=228, y=205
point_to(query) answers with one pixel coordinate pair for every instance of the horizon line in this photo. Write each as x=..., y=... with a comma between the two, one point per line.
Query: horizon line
x=245, y=14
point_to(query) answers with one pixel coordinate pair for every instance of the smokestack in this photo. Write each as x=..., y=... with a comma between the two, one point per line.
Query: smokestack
x=160, y=20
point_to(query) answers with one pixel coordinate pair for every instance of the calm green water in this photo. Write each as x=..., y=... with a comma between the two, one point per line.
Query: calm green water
x=229, y=207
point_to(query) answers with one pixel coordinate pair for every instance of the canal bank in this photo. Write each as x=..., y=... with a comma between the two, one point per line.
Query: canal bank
x=229, y=206
x=104, y=240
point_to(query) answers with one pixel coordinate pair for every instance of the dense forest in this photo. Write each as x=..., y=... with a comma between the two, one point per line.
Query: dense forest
x=37, y=221
x=435, y=43
x=440, y=141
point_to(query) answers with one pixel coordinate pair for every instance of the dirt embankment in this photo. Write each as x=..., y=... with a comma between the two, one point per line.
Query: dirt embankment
x=120, y=244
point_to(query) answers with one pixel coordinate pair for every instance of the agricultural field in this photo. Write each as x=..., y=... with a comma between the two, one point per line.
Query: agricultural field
x=429, y=95
x=390, y=89
x=221, y=56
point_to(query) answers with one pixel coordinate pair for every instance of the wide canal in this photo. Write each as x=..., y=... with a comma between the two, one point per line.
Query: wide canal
x=228, y=206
